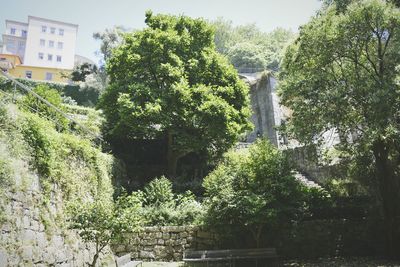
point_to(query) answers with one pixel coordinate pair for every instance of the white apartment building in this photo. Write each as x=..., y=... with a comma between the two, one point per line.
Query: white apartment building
x=41, y=42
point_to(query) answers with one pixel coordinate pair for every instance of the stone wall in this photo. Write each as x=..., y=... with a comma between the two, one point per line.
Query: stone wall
x=305, y=160
x=33, y=234
x=165, y=243
x=334, y=237
x=307, y=239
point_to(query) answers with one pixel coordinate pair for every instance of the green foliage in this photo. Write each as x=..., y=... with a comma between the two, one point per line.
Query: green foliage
x=81, y=71
x=248, y=47
x=33, y=104
x=167, y=82
x=341, y=73
x=81, y=96
x=104, y=222
x=254, y=192
x=158, y=192
x=161, y=206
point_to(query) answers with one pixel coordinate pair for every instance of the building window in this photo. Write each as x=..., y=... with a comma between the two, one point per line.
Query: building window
x=10, y=44
x=49, y=76
x=28, y=74
x=58, y=58
x=44, y=28
x=61, y=31
x=52, y=30
x=42, y=42
x=24, y=33
x=51, y=43
x=12, y=31
x=60, y=45
x=21, y=44
x=41, y=56
x=49, y=57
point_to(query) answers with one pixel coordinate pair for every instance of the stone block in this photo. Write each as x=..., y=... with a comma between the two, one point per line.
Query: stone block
x=26, y=222
x=26, y=253
x=146, y=254
x=160, y=241
x=35, y=225
x=57, y=241
x=166, y=236
x=151, y=229
x=183, y=235
x=28, y=236
x=61, y=256
x=3, y=258
x=49, y=256
x=158, y=235
x=41, y=239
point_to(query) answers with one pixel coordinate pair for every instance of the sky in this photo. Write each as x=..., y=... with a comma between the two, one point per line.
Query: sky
x=97, y=15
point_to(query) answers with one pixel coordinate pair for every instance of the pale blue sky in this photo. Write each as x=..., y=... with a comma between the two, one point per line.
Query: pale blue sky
x=96, y=15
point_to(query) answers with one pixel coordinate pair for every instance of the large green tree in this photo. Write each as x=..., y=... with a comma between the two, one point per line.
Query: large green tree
x=167, y=82
x=340, y=74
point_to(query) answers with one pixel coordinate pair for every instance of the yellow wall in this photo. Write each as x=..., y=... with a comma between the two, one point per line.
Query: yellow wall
x=39, y=73
x=14, y=59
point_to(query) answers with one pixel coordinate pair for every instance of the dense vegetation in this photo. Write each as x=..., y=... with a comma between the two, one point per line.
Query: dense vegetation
x=255, y=192
x=342, y=73
x=248, y=48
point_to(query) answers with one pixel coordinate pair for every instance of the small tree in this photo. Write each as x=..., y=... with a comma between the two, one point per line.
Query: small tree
x=252, y=191
x=105, y=222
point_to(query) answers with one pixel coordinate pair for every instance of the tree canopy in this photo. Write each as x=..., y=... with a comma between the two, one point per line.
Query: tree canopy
x=168, y=82
x=340, y=74
x=246, y=46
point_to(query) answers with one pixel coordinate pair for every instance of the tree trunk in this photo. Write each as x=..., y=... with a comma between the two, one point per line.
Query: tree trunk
x=172, y=156
x=95, y=257
x=389, y=191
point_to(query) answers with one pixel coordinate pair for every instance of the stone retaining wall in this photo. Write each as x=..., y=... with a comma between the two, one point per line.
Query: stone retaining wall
x=165, y=243
x=29, y=235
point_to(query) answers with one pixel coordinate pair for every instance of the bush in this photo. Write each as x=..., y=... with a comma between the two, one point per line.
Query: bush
x=161, y=206
x=33, y=104
x=254, y=193
x=82, y=97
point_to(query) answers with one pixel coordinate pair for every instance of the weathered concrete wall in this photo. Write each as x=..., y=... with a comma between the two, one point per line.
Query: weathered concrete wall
x=266, y=111
x=33, y=234
x=165, y=243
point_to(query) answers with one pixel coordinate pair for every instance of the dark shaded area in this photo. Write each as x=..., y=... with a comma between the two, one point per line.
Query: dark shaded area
x=144, y=160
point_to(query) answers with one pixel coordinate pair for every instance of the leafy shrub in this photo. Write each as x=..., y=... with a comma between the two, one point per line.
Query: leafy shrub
x=161, y=206
x=254, y=192
x=159, y=192
x=82, y=97
x=33, y=104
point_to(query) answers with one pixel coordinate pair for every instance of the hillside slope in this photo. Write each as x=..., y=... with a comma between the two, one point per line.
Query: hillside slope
x=42, y=172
